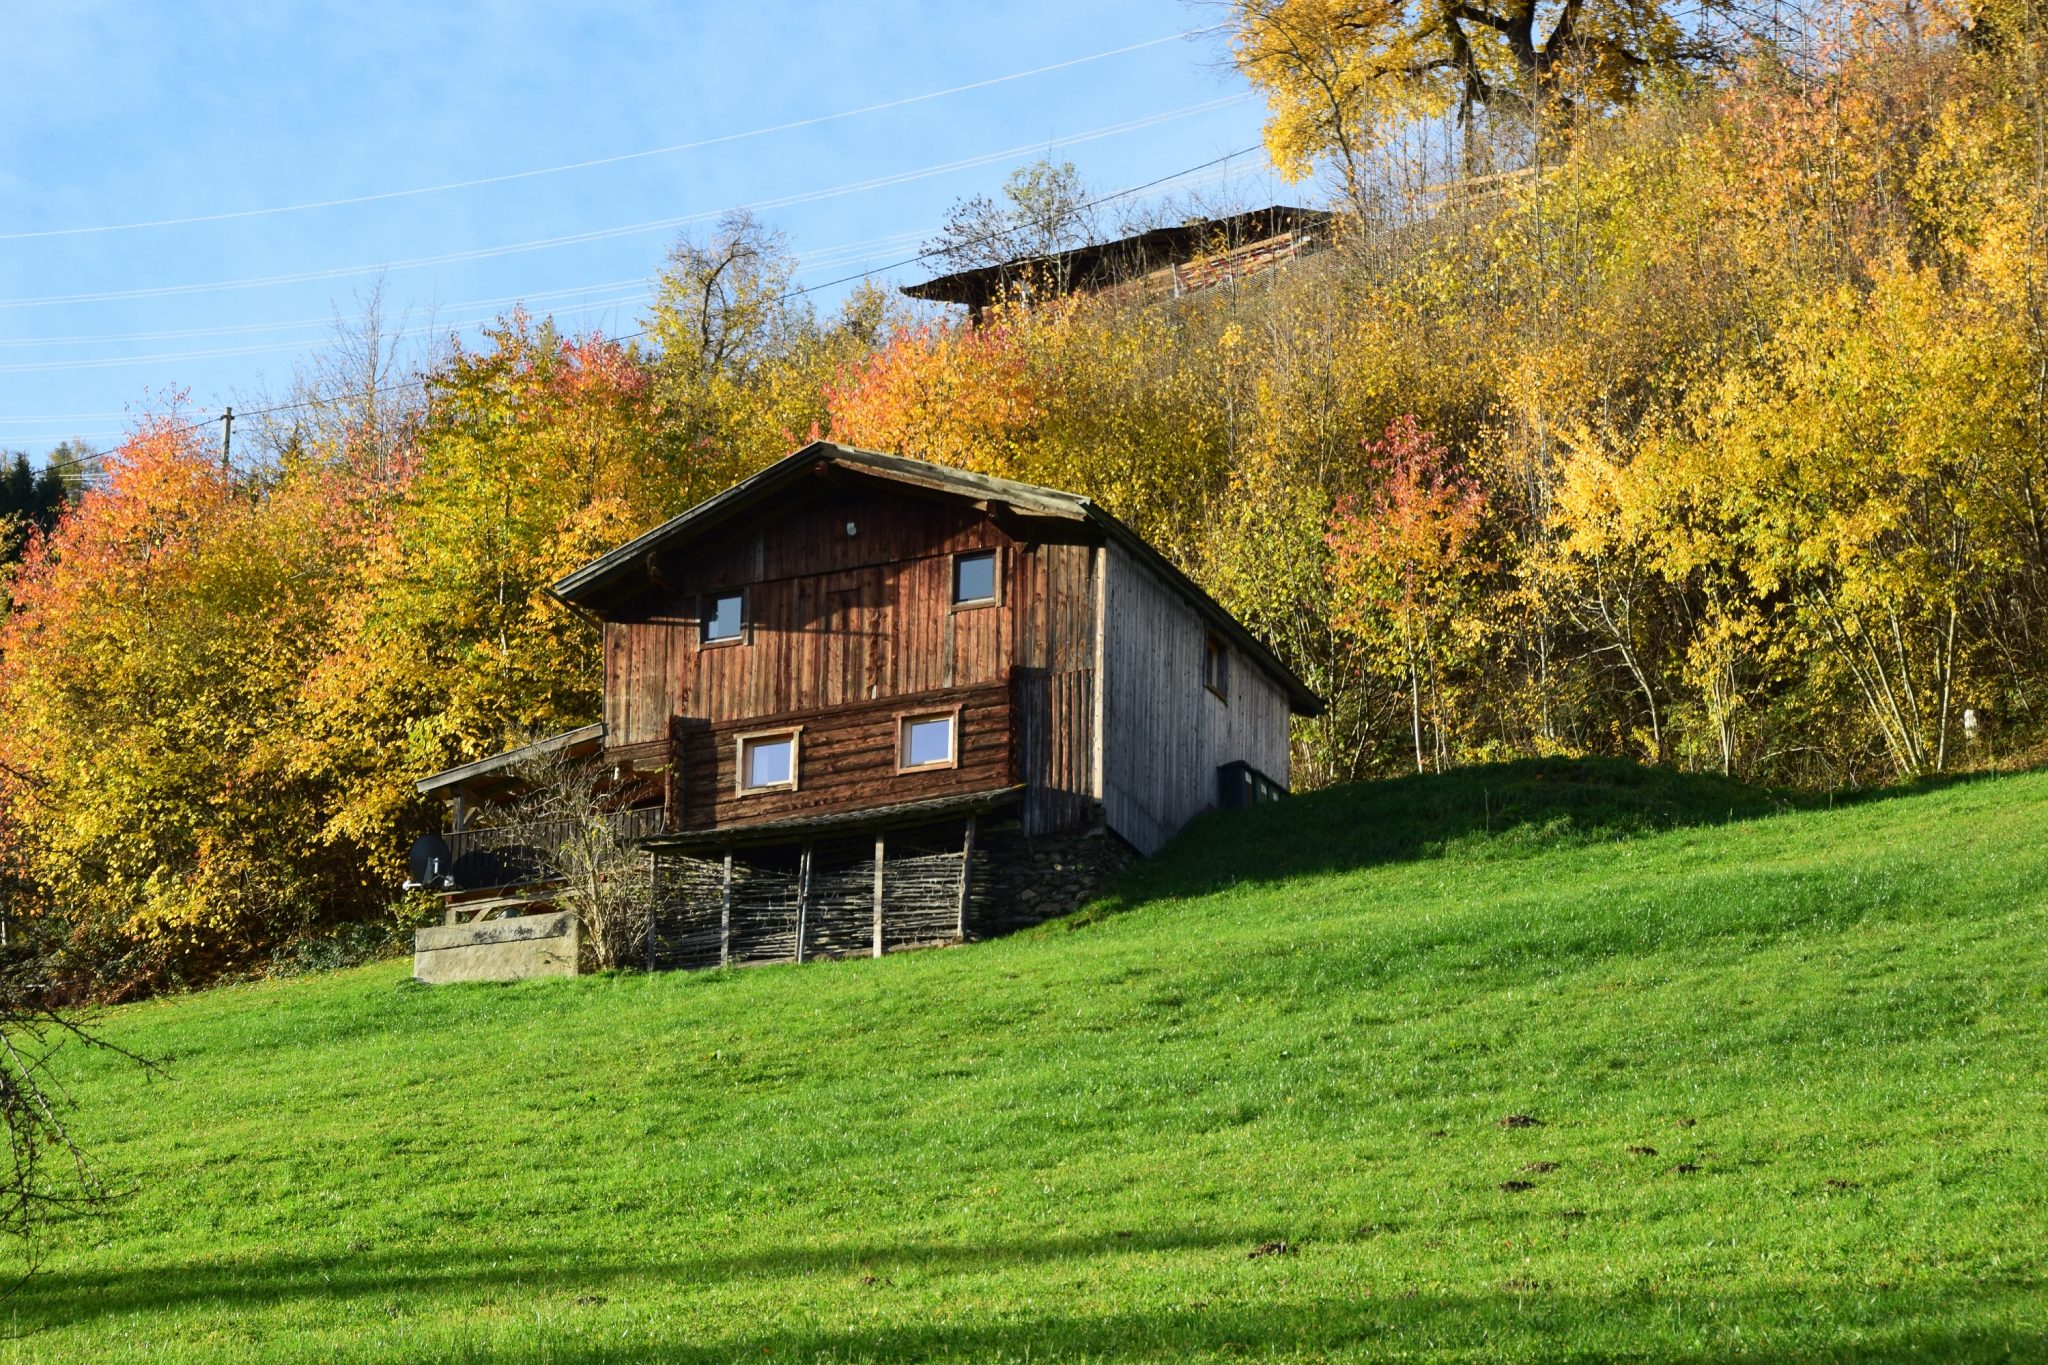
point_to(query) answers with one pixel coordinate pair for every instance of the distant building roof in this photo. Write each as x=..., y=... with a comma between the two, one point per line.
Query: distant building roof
x=1106, y=265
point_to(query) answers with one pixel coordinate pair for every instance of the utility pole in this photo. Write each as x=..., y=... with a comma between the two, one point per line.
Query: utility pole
x=227, y=440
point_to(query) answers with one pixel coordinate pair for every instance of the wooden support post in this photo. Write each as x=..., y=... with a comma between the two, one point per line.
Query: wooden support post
x=878, y=893
x=725, y=915
x=966, y=874
x=653, y=903
x=672, y=778
x=803, y=902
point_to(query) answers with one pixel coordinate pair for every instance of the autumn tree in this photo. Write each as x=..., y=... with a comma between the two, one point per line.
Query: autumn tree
x=355, y=400
x=1408, y=574
x=539, y=452
x=725, y=321
x=1045, y=209
x=1340, y=76
x=151, y=672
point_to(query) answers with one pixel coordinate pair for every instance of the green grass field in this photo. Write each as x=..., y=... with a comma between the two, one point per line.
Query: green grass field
x=1786, y=1070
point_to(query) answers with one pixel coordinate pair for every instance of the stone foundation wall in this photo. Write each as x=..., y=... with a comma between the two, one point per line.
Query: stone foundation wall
x=1026, y=879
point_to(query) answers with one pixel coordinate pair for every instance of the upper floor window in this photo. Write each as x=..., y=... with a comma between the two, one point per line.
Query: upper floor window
x=767, y=762
x=1216, y=666
x=974, y=578
x=928, y=741
x=724, y=617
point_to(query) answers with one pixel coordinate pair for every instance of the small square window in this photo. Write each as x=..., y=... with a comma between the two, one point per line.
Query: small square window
x=927, y=742
x=974, y=578
x=724, y=617
x=1216, y=666
x=768, y=762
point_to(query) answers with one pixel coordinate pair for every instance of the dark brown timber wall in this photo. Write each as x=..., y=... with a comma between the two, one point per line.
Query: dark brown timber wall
x=837, y=620
x=846, y=759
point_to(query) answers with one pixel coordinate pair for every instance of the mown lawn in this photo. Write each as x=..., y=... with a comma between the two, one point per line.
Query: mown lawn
x=1785, y=1068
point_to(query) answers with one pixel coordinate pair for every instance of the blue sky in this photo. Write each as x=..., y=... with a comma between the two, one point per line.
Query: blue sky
x=119, y=114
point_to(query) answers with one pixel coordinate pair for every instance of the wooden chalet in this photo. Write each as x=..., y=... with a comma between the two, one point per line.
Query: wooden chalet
x=867, y=702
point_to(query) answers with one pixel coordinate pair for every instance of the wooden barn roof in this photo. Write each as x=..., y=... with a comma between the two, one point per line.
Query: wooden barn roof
x=1102, y=264
x=626, y=567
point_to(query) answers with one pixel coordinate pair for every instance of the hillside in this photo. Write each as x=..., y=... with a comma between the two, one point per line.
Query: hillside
x=1783, y=1070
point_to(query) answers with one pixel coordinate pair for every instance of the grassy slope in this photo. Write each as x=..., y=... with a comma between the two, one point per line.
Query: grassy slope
x=1304, y=1024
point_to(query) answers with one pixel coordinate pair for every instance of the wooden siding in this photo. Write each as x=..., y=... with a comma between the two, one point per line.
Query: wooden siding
x=1164, y=733
x=838, y=621
x=846, y=759
x=1056, y=746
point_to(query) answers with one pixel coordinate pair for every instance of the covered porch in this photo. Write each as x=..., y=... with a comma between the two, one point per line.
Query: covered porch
x=504, y=862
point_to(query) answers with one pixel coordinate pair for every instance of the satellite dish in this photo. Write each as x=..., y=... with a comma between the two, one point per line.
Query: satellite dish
x=429, y=865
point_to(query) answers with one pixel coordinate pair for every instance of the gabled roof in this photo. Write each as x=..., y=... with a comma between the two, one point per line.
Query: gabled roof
x=595, y=580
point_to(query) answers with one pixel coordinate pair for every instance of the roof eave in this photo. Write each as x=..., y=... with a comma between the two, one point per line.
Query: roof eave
x=589, y=581
x=1301, y=699
x=450, y=778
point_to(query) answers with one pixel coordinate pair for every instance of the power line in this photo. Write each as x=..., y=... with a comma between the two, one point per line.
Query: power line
x=532, y=296
x=614, y=160
x=784, y=297
x=653, y=225
x=825, y=256
x=270, y=347
x=810, y=260
x=237, y=329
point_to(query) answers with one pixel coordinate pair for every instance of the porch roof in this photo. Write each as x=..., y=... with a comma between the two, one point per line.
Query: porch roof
x=495, y=773
x=899, y=814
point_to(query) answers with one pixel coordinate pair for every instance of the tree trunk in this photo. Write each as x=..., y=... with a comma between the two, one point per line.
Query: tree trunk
x=1415, y=707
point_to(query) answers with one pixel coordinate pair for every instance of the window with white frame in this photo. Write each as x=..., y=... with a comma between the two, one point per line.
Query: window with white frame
x=724, y=617
x=930, y=741
x=767, y=762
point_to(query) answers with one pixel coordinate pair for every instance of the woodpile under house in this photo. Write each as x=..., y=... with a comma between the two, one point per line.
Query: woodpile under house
x=859, y=703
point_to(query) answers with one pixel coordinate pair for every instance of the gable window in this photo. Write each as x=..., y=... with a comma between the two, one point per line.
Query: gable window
x=1216, y=666
x=974, y=579
x=767, y=762
x=928, y=741
x=724, y=617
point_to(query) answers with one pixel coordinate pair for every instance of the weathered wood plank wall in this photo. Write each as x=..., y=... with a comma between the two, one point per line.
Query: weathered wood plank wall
x=1164, y=732
x=838, y=620
x=846, y=759
x=1056, y=746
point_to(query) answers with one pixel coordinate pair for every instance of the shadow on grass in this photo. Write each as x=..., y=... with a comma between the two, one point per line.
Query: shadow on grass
x=57, y=1298
x=1509, y=1324
x=1493, y=811
x=576, y=1309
